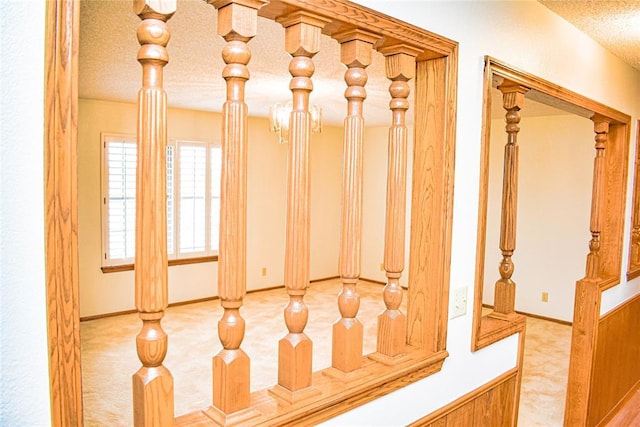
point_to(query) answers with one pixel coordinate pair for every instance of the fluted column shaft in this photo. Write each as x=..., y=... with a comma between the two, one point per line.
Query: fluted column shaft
x=152, y=383
x=302, y=42
x=400, y=68
x=356, y=48
x=237, y=24
x=601, y=129
x=505, y=288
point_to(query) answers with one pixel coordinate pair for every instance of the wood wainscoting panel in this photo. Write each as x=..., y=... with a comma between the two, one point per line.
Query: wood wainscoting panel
x=492, y=404
x=616, y=369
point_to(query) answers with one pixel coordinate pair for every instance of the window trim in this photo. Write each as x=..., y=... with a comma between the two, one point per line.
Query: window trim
x=175, y=258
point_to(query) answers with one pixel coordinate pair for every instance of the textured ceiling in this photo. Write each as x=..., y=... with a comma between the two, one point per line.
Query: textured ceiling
x=613, y=24
x=192, y=79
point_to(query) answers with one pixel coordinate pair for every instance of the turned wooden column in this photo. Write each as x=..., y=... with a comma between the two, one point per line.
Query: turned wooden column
x=302, y=42
x=601, y=129
x=356, y=47
x=153, y=383
x=237, y=24
x=505, y=288
x=400, y=68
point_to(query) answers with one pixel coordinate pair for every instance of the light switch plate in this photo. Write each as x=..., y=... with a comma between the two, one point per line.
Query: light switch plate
x=459, y=306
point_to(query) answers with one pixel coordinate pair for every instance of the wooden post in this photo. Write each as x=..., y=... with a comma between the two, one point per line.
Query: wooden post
x=505, y=288
x=153, y=383
x=392, y=326
x=302, y=42
x=355, y=50
x=237, y=24
x=601, y=129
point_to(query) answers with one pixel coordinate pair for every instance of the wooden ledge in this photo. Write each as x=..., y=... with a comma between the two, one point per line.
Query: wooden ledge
x=335, y=396
x=171, y=262
x=493, y=329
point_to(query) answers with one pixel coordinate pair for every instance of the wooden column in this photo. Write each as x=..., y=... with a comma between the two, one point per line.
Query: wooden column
x=302, y=42
x=355, y=51
x=237, y=24
x=153, y=383
x=505, y=289
x=400, y=68
x=601, y=129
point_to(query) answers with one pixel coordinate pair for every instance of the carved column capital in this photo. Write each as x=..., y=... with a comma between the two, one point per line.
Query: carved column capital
x=154, y=9
x=400, y=61
x=237, y=19
x=302, y=33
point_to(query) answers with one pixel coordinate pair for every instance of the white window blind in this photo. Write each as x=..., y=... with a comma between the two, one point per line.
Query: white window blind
x=193, y=199
x=120, y=199
x=215, y=155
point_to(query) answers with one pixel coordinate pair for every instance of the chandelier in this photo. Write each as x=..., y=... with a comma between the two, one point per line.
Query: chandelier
x=279, y=119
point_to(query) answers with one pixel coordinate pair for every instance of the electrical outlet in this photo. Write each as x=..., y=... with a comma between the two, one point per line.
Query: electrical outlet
x=264, y=271
x=545, y=297
x=459, y=302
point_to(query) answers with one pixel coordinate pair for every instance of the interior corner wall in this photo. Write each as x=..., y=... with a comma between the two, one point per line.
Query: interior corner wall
x=102, y=293
x=554, y=203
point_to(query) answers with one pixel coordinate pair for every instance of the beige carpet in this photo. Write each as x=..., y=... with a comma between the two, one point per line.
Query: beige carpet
x=544, y=374
x=109, y=356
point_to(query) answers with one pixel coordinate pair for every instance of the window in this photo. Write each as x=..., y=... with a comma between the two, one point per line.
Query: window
x=193, y=199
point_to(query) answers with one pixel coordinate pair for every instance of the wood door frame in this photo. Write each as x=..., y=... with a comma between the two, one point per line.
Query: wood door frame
x=487, y=330
x=61, y=210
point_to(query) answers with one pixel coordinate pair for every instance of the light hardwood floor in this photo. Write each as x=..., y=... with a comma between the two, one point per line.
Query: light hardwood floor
x=109, y=356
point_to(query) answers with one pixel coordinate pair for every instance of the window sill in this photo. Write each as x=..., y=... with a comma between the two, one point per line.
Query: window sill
x=172, y=262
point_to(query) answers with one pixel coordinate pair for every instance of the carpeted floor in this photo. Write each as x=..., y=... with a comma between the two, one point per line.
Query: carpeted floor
x=109, y=356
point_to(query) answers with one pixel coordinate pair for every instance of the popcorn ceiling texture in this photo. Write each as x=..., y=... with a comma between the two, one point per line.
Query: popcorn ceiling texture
x=192, y=78
x=613, y=24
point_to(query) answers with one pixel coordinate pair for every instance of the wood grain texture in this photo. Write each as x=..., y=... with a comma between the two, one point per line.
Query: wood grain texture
x=344, y=14
x=633, y=269
x=430, y=209
x=616, y=370
x=612, y=211
x=392, y=323
x=505, y=288
x=302, y=42
x=611, y=239
x=335, y=396
x=237, y=24
x=152, y=383
x=61, y=211
x=584, y=336
x=356, y=49
x=489, y=405
x=335, y=17
x=601, y=129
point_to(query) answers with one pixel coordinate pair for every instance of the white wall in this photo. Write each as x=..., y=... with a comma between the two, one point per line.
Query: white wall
x=24, y=384
x=266, y=204
x=527, y=35
x=520, y=33
x=554, y=203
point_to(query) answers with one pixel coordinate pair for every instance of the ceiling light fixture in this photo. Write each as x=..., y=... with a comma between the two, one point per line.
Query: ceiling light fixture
x=279, y=119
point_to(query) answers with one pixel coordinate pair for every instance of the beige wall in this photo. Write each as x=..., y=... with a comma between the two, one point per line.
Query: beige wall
x=266, y=202
x=554, y=203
